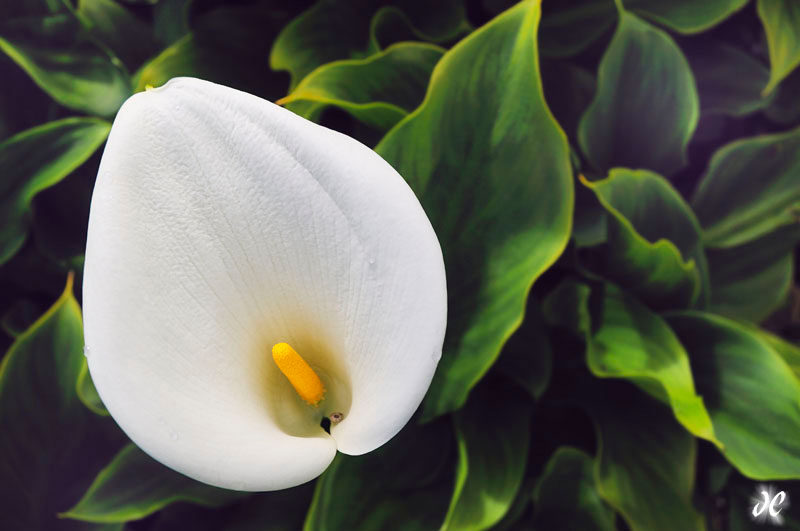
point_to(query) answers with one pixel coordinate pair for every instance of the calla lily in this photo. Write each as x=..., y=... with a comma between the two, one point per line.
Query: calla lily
x=247, y=274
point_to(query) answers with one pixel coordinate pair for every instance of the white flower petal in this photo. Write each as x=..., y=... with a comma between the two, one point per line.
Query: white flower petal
x=222, y=224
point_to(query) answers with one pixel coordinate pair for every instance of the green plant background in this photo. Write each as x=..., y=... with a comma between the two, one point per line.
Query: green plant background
x=616, y=188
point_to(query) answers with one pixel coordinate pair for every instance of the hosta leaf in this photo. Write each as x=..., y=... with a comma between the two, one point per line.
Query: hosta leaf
x=569, y=26
x=734, y=207
x=492, y=432
x=781, y=20
x=729, y=81
x=331, y=30
x=634, y=343
x=750, y=392
x=645, y=462
x=57, y=54
x=50, y=444
x=686, y=16
x=379, y=90
x=37, y=159
x=751, y=280
x=566, y=497
x=646, y=106
x=405, y=484
x=788, y=351
x=500, y=194
x=653, y=243
x=134, y=485
x=128, y=36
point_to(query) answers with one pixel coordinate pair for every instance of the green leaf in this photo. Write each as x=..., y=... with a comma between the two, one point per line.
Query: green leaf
x=645, y=462
x=331, y=30
x=686, y=16
x=500, y=194
x=735, y=208
x=634, y=343
x=492, y=432
x=135, y=485
x=788, y=351
x=566, y=497
x=127, y=35
x=570, y=26
x=405, y=484
x=87, y=392
x=379, y=90
x=750, y=392
x=653, y=243
x=752, y=280
x=646, y=107
x=59, y=56
x=729, y=81
x=781, y=20
x=50, y=445
x=37, y=159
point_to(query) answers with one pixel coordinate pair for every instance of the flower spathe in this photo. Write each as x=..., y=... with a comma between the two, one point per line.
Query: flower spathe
x=222, y=226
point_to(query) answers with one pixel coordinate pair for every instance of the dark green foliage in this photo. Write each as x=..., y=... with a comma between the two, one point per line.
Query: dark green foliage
x=615, y=185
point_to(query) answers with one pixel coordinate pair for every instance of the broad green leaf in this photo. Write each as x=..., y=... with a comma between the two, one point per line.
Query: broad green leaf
x=646, y=106
x=781, y=20
x=134, y=485
x=570, y=26
x=527, y=357
x=750, y=392
x=686, y=16
x=332, y=30
x=87, y=392
x=405, y=484
x=784, y=107
x=645, y=462
x=788, y=351
x=498, y=191
x=492, y=432
x=127, y=35
x=59, y=56
x=37, y=159
x=568, y=90
x=729, y=80
x=566, y=497
x=379, y=90
x=50, y=445
x=634, y=343
x=734, y=207
x=752, y=280
x=653, y=245
x=523, y=500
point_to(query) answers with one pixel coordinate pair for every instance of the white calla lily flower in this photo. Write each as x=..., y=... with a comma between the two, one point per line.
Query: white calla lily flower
x=247, y=274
